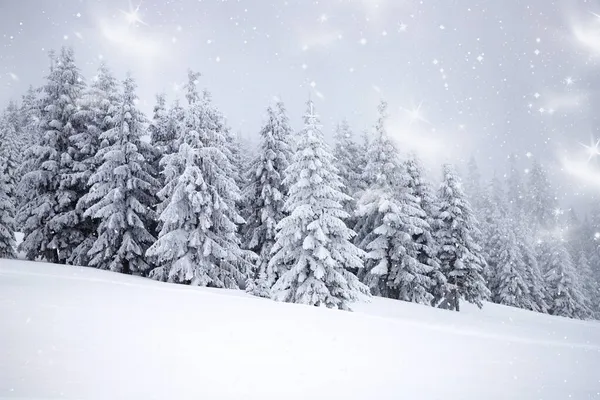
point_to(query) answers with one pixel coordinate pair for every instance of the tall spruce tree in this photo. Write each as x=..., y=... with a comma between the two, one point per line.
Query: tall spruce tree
x=197, y=243
x=461, y=258
x=428, y=253
x=96, y=115
x=514, y=187
x=266, y=196
x=540, y=200
x=48, y=214
x=395, y=228
x=8, y=176
x=508, y=285
x=122, y=193
x=313, y=253
x=565, y=297
x=347, y=156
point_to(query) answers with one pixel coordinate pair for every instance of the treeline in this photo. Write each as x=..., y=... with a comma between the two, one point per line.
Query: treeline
x=297, y=221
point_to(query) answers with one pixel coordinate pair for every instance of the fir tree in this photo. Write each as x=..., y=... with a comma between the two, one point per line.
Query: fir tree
x=8, y=175
x=48, y=215
x=312, y=252
x=266, y=195
x=95, y=116
x=347, y=154
x=515, y=189
x=198, y=244
x=399, y=243
x=508, y=285
x=564, y=287
x=532, y=275
x=122, y=193
x=460, y=256
x=428, y=254
x=541, y=203
x=473, y=188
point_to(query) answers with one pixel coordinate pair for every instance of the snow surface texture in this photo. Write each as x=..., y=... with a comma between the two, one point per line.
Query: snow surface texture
x=82, y=333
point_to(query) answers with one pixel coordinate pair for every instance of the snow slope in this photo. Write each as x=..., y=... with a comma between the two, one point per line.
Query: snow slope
x=80, y=333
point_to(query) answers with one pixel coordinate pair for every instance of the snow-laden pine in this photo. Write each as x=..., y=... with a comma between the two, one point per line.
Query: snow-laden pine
x=428, y=251
x=540, y=202
x=48, y=215
x=508, y=285
x=348, y=155
x=266, y=195
x=313, y=254
x=198, y=244
x=394, y=232
x=565, y=297
x=8, y=175
x=122, y=193
x=383, y=175
x=461, y=258
x=96, y=115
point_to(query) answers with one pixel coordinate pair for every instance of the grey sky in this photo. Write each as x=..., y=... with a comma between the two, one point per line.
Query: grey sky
x=462, y=77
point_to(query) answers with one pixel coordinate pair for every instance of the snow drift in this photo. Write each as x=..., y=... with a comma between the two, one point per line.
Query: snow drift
x=81, y=333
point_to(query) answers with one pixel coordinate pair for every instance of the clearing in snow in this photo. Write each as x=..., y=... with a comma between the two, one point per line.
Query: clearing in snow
x=82, y=333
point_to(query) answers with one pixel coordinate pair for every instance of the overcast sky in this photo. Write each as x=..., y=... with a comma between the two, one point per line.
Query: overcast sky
x=462, y=77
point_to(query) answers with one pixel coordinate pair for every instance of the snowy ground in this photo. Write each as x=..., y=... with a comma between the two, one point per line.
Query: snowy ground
x=80, y=333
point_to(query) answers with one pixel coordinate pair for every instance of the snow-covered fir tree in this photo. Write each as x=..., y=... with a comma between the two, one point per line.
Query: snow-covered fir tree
x=423, y=191
x=313, y=254
x=565, y=297
x=589, y=285
x=395, y=232
x=540, y=201
x=96, y=115
x=472, y=184
x=165, y=130
x=197, y=243
x=508, y=286
x=514, y=187
x=122, y=193
x=266, y=195
x=48, y=214
x=347, y=156
x=461, y=258
x=532, y=275
x=8, y=175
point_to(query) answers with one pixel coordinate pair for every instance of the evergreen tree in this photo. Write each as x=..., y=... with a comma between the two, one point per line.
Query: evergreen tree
x=197, y=243
x=400, y=248
x=383, y=174
x=266, y=195
x=514, y=186
x=472, y=185
x=96, y=115
x=48, y=215
x=541, y=203
x=347, y=154
x=312, y=252
x=564, y=287
x=460, y=256
x=508, y=286
x=8, y=175
x=589, y=285
x=122, y=193
x=532, y=275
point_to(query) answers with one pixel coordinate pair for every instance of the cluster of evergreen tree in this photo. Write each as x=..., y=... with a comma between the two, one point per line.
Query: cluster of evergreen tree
x=176, y=199
x=537, y=260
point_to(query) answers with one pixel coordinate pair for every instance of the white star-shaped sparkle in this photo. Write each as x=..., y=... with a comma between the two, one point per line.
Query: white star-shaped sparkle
x=133, y=15
x=593, y=149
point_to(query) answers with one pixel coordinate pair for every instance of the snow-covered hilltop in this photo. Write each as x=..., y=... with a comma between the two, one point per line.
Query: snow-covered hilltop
x=82, y=333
